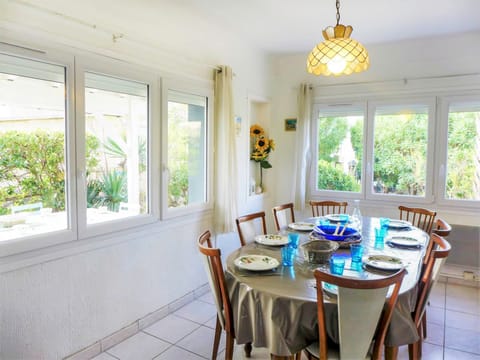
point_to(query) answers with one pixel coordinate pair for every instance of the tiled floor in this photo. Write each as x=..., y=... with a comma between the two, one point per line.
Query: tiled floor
x=187, y=334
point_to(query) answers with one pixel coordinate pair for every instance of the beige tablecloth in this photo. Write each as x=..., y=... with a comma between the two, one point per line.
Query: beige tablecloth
x=277, y=310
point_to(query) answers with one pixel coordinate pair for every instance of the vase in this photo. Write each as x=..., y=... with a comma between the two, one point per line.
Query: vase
x=258, y=189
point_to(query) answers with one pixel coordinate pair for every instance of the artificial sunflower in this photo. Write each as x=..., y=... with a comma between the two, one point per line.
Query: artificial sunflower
x=262, y=144
x=258, y=155
x=256, y=130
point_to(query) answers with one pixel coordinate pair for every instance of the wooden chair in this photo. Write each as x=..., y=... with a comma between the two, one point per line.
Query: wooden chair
x=322, y=208
x=364, y=313
x=280, y=215
x=440, y=252
x=442, y=228
x=419, y=217
x=216, y=278
x=248, y=226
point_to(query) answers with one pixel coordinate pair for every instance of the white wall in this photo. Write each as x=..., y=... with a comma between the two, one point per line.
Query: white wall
x=390, y=64
x=58, y=301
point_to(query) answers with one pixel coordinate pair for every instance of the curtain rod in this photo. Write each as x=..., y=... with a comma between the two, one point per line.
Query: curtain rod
x=404, y=80
x=116, y=36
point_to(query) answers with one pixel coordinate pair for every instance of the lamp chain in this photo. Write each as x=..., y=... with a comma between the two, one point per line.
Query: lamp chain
x=338, y=11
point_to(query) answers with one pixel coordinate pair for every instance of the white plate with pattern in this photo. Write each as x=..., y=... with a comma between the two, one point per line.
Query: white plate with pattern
x=301, y=226
x=256, y=262
x=272, y=239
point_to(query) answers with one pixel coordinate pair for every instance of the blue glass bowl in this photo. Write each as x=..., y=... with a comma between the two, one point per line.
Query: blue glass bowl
x=327, y=232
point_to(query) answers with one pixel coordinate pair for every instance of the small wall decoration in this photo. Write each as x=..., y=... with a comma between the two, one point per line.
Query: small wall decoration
x=290, y=124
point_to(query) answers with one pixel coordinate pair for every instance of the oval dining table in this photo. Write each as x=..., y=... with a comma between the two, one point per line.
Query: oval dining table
x=277, y=309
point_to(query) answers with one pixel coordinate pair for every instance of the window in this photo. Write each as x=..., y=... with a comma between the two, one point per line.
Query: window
x=116, y=134
x=400, y=149
x=340, y=148
x=381, y=150
x=33, y=140
x=187, y=149
x=463, y=151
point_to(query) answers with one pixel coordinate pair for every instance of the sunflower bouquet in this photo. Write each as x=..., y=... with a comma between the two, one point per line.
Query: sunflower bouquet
x=261, y=146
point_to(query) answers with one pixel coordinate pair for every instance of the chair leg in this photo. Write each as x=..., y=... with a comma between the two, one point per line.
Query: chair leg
x=216, y=339
x=248, y=350
x=229, y=347
x=298, y=355
x=391, y=352
x=424, y=324
x=414, y=350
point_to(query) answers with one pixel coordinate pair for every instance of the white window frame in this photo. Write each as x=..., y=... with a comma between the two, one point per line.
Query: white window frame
x=429, y=190
x=442, y=144
x=200, y=89
x=367, y=168
x=109, y=67
x=334, y=194
x=34, y=242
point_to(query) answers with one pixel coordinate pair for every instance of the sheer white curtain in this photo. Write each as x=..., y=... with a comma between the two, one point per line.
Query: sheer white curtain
x=302, y=146
x=225, y=188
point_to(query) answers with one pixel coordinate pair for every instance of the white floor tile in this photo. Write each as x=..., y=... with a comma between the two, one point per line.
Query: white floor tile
x=208, y=298
x=197, y=311
x=172, y=328
x=436, y=315
x=140, y=346
x=463, y=340
x=437, y=295
x=460, y=320
x=463, y=299
x=435, y=334
x=430, y=352
x=104, y=356
x=176, y=353
x=201, y=342
x=451, y=354
x=212, y=322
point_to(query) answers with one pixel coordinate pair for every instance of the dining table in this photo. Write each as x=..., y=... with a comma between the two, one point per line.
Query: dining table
x=277, y=309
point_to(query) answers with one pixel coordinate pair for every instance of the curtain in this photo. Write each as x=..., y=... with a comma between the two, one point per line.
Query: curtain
x=225, y=182
x=302, y=146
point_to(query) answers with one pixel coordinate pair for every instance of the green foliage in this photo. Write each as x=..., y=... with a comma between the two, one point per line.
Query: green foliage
x=118, y=149
x=32, y=169
x=178, y=186
x=330, y=178
x=462, y=132
x=114, y=189
x=400, y=153
x=331, y=132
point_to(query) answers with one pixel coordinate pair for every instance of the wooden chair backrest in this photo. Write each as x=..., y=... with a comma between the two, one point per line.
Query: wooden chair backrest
x=419, y=217
x=364, y=313
x=248, y=226
x=280, y=215
x=442, y=228
x=216, y=278
x=322, y=208
x=440, y=251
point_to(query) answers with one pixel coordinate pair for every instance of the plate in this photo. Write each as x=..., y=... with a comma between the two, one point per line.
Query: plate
x=328, y=232
x=404, y=241
x=256, y=262
x=272, y=239
x=399, y=224
x=301, y=226
x=384, y=262
x=335, y=217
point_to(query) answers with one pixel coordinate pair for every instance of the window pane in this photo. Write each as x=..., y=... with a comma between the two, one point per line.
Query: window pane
x=116, y=120
x=463, y=161
x=187, y=125
x=340, y=150
x=400, y=150
x=32, y=148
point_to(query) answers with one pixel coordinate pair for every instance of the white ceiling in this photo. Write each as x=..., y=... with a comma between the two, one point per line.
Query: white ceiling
x=276, y=26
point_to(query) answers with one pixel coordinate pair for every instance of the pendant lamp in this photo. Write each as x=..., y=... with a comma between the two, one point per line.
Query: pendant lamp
x=338, y=54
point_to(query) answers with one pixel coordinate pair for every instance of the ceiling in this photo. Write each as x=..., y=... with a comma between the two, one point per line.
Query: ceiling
x=275, y=26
